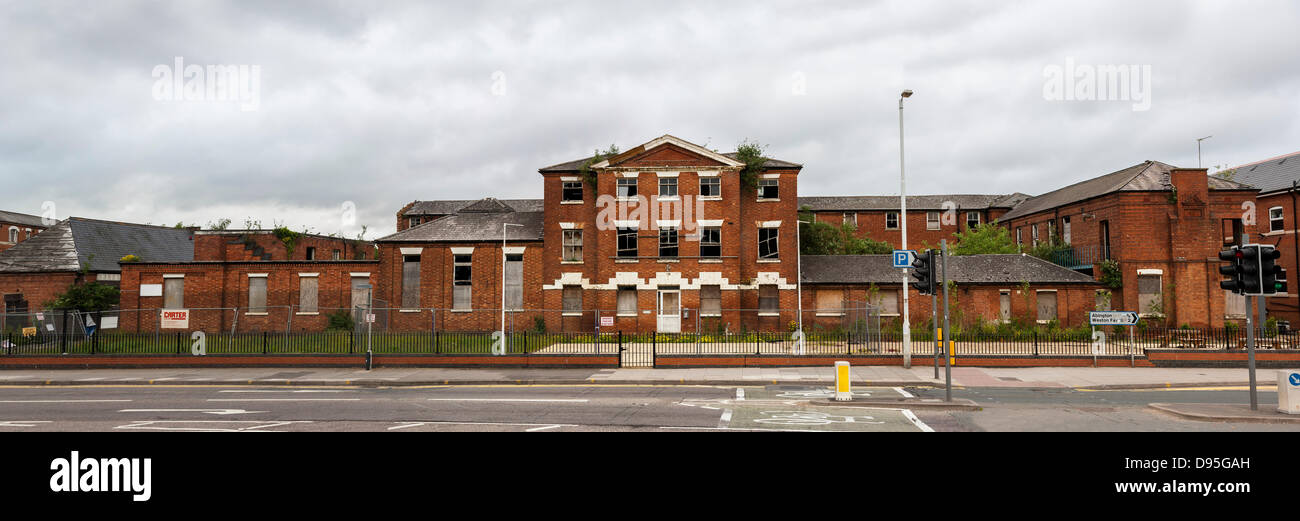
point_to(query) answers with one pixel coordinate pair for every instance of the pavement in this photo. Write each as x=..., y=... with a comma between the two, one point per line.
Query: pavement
x=877, y=376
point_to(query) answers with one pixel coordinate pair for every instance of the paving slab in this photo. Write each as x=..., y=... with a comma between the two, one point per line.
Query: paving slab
x=1221, y=412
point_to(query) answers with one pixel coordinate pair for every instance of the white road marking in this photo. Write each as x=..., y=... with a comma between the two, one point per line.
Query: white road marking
x=284, y=399
x=167, y=378
x=563, y=400
x=21, y=423
x=920, y=424
x=150, y=425
x=91, y=379
x=411, y=424
x=904, y=393
x=725, y=419
x=208, y=411
x=740, y=394
x=744, y=429
x=536, y=429
x=285, y=391
x=534, y=425
x=60, y=401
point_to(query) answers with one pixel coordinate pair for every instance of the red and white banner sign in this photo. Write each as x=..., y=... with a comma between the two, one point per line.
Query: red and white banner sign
x=606, y=321
x=175, y=319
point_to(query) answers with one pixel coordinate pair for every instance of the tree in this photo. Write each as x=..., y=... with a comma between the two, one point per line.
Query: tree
x=751, y=154
x=90, y=297
x=820, y=238
x=983, y=239
x=597, y=156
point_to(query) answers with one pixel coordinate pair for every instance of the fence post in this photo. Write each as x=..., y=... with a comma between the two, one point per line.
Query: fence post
x=437, y=345
x=1035, y=343
x=63, y=333
x=352, y=340
x=620, y=343
x=178, y=342
x=10, y=348
x=264, y=342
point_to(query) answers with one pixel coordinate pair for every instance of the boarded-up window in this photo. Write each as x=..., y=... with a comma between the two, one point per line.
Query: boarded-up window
x=174, y=293
x=768, y=301
x=1234, y=305
x=410, y=281
x=257, y=294
x=360, y=294
x=462, y=275
x=830, y=301
x=1103, y=301
x=627, y=300
x=514, y=281
x=308, y=288
x=1004, y=305
x=1046, y=305
x=711, y=300
x=572, y=299
x=886, y=300
x=1149, y=298
x=572, y=246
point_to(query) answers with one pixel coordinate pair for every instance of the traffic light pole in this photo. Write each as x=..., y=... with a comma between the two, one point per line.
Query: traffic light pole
x=947, y=365
x=934, y=321
x=1250, y=347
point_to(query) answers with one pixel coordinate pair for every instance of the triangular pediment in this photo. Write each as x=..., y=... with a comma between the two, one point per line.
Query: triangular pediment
x=668, y=152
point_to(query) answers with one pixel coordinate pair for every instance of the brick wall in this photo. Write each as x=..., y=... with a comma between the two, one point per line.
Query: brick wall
x=24, y=232
x=1285, y=307
x=872, y=224
x=246, y=245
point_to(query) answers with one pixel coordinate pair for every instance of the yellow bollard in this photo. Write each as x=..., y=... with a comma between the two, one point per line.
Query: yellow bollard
x=843, y=387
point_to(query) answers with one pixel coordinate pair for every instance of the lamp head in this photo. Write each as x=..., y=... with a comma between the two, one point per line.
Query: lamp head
x=907, y=93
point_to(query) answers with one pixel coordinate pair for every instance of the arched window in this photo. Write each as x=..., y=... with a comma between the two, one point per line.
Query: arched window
x=13, y=234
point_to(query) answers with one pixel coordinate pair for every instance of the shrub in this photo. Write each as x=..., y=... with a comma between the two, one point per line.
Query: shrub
x=340, y=320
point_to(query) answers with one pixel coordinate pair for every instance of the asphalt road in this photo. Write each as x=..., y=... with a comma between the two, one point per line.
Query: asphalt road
x=588, y=408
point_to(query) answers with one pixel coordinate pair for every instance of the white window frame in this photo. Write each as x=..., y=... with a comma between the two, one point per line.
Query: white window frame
x=932, y=221
x=566, y=244
x=887, y=216
x=979, y=219
x=1280, y=220
x=845, y=218
x=776, y=248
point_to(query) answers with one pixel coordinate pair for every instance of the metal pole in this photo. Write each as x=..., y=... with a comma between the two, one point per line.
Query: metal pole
x=370, y=326
x=1250, y=355
x=798, y=260
x=947, y=366
x=934, y=321
x=902, y=198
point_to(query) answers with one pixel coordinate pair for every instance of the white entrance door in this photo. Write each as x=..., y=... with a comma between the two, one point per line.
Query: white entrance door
x=670, y=311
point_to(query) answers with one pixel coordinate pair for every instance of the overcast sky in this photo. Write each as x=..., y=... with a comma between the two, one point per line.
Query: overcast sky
x=384, y=104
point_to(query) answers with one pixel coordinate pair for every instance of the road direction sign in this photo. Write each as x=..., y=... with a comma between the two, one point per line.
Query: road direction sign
x=1112, y=318
x=904, y=258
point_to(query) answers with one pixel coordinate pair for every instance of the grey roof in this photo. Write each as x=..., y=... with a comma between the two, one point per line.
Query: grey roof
x=914, y=202
x=1142, y=177
x=448, y=207
x=1268, y=175
x=482, y=222
x=573, y=166
x=21, y=218
x=96, y=245
x=968, y=269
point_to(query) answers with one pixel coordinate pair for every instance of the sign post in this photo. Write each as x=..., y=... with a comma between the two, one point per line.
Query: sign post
x=1110, y=318
x=947, y=366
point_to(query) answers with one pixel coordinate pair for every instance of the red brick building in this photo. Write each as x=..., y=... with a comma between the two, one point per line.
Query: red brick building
x=17, y=227
x=1278, y=180
x=236, y=245
x=79, y=250
x=930, y=218
x=988, y=289
x=1164, y=227
x=664, y=227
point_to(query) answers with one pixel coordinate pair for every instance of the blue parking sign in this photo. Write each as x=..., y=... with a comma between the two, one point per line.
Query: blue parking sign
x=903, y=258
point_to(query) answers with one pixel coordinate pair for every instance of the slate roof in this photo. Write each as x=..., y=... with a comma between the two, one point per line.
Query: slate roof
x=448, y=207
x=97, y=245
x=480, y=221
x=968, y=269
x=1142, y=177
x=572, y=166
x=1269, y=175
x=20, y=218
x=914, y=202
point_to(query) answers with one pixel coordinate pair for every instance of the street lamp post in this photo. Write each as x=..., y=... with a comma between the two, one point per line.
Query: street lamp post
x=504, y=343
x=902, y=197
x=370, y=324
x=1198, y=150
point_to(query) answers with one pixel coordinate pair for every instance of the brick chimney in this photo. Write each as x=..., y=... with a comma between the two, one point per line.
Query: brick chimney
x=1192, y=184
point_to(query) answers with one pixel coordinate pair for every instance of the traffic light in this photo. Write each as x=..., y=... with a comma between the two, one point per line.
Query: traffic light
x=1249, y=269
x=1232, y=270
x=924, y=272
x=1272, y=276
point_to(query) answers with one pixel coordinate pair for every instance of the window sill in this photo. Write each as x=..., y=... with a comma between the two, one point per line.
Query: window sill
x=1041, y=321
x=762, y=314
x=408, y=311
x=929, y=229
x=633, y=315
x=710, y=261
x=667, y=261
x=628, y=199
x=710, y=315
x=768, y=200
x=768, y=261
x=626, y=261
x=571, y=314
x=462, y=311
x=830, y=314
x=254, y=314
x=571, y=202
x=570, y=262
x=890, y=315
x=307, y=313
x=709, y=198
x=1272, y=233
